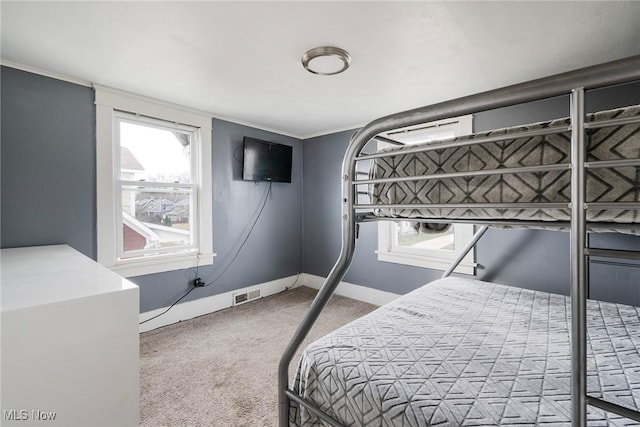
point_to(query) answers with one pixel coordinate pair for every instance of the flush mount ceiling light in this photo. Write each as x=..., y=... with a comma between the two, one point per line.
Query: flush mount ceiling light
x=326, y=60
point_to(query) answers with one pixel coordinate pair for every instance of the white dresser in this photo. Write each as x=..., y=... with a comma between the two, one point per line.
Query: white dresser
x=70, y=342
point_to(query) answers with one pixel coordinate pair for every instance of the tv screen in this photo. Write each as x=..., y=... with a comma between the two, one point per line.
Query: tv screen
x=266, y=161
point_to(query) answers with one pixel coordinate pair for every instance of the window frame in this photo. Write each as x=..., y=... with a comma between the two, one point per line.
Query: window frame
x=111, y=104
x=153, y=186
x=437, y=259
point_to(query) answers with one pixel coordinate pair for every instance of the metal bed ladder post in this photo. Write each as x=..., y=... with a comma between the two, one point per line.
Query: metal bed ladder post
x=594, y=401
x=580, y=257
x=578, y=264
x=326, y=291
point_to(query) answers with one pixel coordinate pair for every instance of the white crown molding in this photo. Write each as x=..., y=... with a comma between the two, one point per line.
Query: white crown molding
x=51, y=74
x=329, y=132
x=255, y=126
x=87, y=83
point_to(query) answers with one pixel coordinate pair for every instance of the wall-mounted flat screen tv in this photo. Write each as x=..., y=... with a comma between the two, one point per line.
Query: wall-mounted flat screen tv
x=266, y=161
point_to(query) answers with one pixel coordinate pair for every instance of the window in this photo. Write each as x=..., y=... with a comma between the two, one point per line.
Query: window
x=153, y=185
x=426, y=245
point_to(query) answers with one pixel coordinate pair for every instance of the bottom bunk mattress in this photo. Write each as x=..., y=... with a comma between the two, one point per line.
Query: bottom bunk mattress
x=464, y=352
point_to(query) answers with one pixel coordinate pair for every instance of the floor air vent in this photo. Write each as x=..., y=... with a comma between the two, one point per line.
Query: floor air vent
x=246, y=297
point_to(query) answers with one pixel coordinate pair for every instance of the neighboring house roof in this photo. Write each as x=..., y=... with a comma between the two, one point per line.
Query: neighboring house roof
x=181, y=207
x=129, y=161
x=155, y=206
x=140, y=228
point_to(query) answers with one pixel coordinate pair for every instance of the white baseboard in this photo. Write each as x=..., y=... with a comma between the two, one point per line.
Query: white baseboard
x=350, y=290
x=190, y=309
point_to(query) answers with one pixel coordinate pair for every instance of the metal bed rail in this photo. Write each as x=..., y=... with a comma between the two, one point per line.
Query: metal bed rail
x=555, y=225
x=465, y=142
x=487, y=172
x=573, y=82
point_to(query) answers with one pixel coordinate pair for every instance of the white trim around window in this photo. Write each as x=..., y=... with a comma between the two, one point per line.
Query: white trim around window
x=111, y=103
x=388, y=248
x=389, y=251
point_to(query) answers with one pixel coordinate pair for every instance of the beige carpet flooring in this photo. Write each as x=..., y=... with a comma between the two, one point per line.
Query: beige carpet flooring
x=221, y=369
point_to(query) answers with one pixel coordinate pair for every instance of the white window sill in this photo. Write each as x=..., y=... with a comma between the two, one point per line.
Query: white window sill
x=160, y=264
x=464, y=267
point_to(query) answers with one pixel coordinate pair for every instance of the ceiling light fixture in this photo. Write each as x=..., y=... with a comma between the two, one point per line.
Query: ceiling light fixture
x=326, y=60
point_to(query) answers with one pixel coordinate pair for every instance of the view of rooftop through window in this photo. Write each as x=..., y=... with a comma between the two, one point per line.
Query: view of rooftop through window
x=155, y=216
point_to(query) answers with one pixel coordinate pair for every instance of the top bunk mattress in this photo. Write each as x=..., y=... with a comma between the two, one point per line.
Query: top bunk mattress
x=612, y=185
x=464, y=352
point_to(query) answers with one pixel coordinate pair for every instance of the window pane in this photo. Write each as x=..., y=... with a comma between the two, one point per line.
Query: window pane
x=419, y=137
x=155, y=219
x=420, y=236
x=149, y=153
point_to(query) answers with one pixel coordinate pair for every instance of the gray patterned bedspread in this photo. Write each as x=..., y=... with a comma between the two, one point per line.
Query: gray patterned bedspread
x=620, y=184
x=459, y=352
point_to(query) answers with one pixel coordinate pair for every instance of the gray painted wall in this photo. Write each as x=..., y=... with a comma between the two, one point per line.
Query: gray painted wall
x=48, y=190
x=48, y=197
x=534, y=259
x=274, y=247
x=322, y=224
x=48, y=162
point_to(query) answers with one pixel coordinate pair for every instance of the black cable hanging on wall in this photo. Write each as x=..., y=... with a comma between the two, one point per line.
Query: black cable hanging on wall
x=251, y=226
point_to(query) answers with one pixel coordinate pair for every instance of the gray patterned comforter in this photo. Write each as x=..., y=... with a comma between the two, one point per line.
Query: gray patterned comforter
x=459, y=352
x=621, y=184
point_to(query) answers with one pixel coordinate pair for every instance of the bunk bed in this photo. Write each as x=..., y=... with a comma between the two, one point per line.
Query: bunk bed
x=511, y=356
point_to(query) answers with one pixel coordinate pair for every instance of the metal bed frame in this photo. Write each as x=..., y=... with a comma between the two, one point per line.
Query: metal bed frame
x=573, y=82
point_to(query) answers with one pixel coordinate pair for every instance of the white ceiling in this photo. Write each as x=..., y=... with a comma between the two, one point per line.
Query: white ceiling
x=241, y=60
